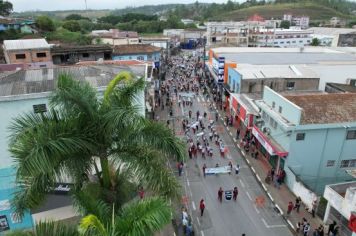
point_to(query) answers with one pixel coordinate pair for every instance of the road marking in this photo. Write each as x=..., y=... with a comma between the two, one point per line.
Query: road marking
x=193, y=205
x=198, y=99
x=248, y=162
x=228, y=129
x=253, y=170
x=198, y=221
x=219, y=115
x=290, y=224
x=271, y=226
x=188, y=182
x=280, y=210
x=234, y=139
x=230, y=133
x=243, y=153
x=269, y=195
x=242, y=183
x=258, y=212
x=258, y=177
x=264, y=187
x=202, y=233
x=249, y=196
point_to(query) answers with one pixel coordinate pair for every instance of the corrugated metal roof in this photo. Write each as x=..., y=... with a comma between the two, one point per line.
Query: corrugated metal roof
x=22, y=44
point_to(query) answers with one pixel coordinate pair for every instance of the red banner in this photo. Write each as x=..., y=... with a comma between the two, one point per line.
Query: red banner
x=352, y=222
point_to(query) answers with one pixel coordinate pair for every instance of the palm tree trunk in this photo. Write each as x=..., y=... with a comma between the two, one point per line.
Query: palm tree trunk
x=105, y=172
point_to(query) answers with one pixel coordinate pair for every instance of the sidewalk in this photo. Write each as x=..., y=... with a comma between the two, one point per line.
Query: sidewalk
x=280, y=197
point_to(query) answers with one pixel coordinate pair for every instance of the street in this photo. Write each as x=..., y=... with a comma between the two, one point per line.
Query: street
x=229, y=217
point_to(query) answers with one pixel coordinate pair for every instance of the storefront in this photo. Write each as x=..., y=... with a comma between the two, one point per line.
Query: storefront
x=271, y=151
x=243, y=112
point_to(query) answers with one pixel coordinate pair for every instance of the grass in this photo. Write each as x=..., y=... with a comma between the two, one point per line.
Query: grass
x=276, y=11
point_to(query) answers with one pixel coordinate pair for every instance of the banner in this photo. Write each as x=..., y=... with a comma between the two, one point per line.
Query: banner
x=221, y=61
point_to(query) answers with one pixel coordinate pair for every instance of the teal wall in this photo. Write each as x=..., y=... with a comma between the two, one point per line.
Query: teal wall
x=322, y=143
x=289, y=110
x=234, y=80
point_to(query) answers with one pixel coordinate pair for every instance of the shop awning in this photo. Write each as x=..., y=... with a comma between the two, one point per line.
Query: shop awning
x=272, y=147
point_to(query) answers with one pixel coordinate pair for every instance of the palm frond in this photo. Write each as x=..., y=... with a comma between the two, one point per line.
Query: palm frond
x=75, y=97
x=143, y=217
x=91, y=225
x=122, y=76
x=47, y=228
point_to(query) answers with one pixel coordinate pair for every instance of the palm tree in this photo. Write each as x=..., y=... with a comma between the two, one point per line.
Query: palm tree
x=137, y=218
x=82, y=133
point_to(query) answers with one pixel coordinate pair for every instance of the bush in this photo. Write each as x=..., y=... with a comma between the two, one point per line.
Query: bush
x=66, y=36
x=45, y=23
x=71, y=25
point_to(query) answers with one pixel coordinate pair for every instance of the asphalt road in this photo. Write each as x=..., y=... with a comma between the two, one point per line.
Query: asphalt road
x=229, y=217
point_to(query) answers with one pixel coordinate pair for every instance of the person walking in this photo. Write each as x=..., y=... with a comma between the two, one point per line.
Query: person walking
x=290, y=208
x=237, y=169
x=180, y=168
x=237, y=134
x=331, y=227
x=306, y=229
x=220, y=193
x=202, y=207
x=235, y=193
x=314, y=205
x=298, y=201
x=204, y=168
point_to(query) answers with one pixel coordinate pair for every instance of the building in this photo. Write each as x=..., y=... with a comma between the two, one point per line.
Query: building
x=311, y=136
x=341, y=88
x=256, y=33
x=65, y=54
x=248, y=78
x=21, y=91
x=299, y=21
x=187, y=21
x=335, y=65
x=33, y=52
x=142, y=52
x=24, y=25
x=172, y=32
x=115, y=37
x=161, y=42
x=341, y=206
x=337, y=22
x=335, y=37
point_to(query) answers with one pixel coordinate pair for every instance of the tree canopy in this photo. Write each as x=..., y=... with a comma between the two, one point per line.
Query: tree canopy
x=45, y=23
x=5, y=8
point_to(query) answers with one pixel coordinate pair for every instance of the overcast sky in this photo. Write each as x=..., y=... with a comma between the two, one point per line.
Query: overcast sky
x=26, y=5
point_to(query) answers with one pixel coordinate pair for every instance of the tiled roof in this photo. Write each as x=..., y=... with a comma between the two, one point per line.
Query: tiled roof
x=80, y=48
x=135, y=49
x=326, y=108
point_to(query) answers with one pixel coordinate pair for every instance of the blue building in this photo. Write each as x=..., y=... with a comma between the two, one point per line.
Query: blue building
x=25, y=26
x=142, y=52
x=312, y=137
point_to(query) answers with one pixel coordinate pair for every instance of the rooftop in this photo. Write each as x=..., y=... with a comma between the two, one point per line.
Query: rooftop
x=114, y=33
x=79, y=48
x=135, y=49
x=44, y=80
x=23, y=44
x=326, y=108
x=346, y=88
x=249, y=71
x=111, y=62
x=331, y=31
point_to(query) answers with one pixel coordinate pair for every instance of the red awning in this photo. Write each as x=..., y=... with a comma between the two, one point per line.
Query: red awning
x=272, y=147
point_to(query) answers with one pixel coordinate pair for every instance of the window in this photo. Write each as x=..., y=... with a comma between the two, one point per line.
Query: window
x=290, y=85
x=280, y=109
x=20, y=56
x=39, y=108
x=273, y=123
x=300, y=41
x=348, y=163
x=140, y=58
x=330, y=163
x=273, y=104
x=41, y=54
x=300, y=136
x=293, y=41
x=351, y=134
x=85, y=54
x=282, y=42
x=43, y=66
x=275, y=42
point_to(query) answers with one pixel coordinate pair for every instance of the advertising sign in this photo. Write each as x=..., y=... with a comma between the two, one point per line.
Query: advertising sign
x=221, y=65
x=4, y=224
x=263, y=142
x=215, y=65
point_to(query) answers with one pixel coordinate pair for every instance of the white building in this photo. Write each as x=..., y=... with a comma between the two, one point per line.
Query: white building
x=331, y=36
x=300, y=21
x=187, y=21
x=291, y=38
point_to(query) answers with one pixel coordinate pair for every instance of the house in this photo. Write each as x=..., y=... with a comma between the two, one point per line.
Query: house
x=341, y=88
x=311, y=136
x=300, y=21
x=142, y=52
x=115, y=37
x=341, y=205
x=24, y=25
x=33, y=52
x=337, y=22
x=161, y=42
x=66, y=54
x=24, y=91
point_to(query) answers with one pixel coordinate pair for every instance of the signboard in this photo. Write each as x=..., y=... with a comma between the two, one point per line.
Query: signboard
x=263, y=142
x=4, y=224
x=218, y=170
x=215, y=65
x=221, y=69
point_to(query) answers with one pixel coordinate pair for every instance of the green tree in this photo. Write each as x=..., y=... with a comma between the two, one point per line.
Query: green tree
x=45, y=23
x=137, y=218
x=285, y=24
x=76, y=17
x=71, y=25
x=81, y=133
x=315, y=42
x=5, y=8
